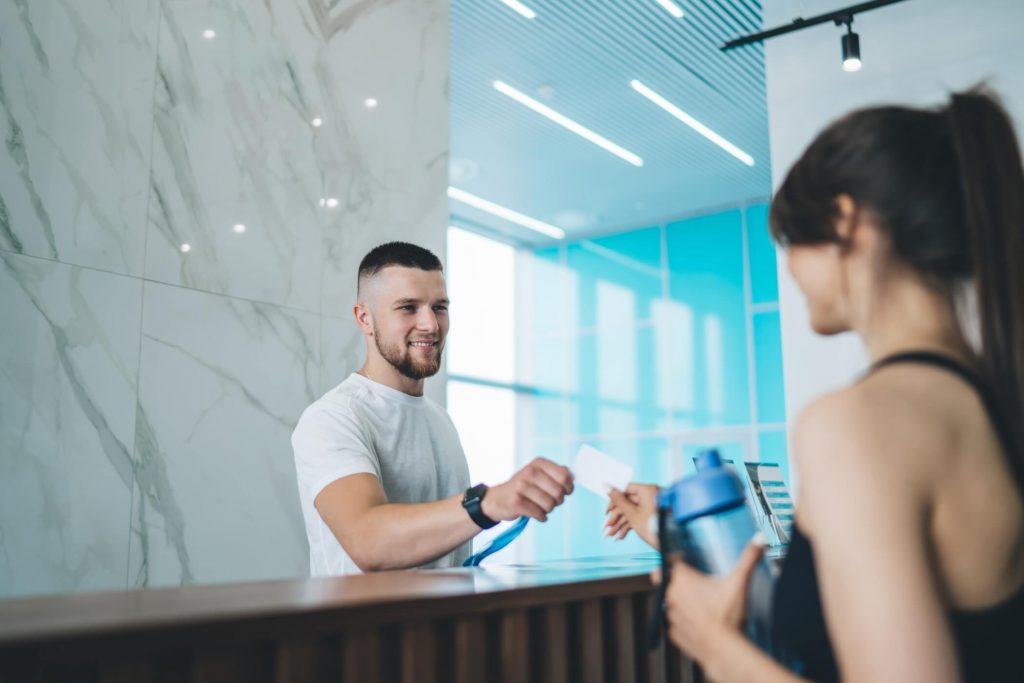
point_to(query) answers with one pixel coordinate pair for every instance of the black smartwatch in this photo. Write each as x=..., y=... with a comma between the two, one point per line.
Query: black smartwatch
x=471, y=501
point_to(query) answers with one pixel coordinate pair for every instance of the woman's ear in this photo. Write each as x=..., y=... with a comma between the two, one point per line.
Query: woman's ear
x=846, y=217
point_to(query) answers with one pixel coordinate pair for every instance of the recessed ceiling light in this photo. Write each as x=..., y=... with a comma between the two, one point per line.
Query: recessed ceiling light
x=185, y=248
x=317, y=122
x=370, y=102
x=331, y=203
x=506, y=213
x=521, y=8
x=209, y=34
x=566, y=122
x=574, y=219
x=461, y=170
x=692, y=122
x=239, y=228
x=671, y=7
x=546, y=91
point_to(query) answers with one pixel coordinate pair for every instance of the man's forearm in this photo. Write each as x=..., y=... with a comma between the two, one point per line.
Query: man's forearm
x=400, y=536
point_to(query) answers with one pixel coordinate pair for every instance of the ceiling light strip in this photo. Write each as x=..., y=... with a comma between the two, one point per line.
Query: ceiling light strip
x=671, y=7
x=566, y=122
x=506, y=213
x=692, y=122
x=521, y=8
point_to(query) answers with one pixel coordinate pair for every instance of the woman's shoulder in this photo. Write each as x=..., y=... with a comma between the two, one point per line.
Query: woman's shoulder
x=858, y=412
x=872, y=428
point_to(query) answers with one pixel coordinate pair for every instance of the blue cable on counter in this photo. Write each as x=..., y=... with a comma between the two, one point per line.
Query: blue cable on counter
x=499, y=542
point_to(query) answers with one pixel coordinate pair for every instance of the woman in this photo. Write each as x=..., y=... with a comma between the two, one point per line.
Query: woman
x=907, y=560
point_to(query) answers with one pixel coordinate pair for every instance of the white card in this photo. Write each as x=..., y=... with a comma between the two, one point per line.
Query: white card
x=594, y=470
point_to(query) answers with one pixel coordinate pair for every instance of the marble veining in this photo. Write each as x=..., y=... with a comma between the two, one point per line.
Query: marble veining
x=76, y=90
x=67, y=382
x=15, y=143
x=234, y=144
x=222, y=383
x=342, y=351
x=152, y=491
x=148, y=393
x=385, y=167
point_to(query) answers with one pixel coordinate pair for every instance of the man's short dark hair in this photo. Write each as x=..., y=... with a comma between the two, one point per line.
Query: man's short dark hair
x=397, y=254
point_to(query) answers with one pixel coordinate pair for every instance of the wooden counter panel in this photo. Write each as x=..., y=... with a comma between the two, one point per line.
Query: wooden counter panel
x=519, y=625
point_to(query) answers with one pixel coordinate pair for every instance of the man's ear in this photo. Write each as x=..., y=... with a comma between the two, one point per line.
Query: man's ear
x=364, y=318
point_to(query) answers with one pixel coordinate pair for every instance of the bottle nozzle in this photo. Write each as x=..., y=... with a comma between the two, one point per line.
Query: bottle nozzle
x=708, y=459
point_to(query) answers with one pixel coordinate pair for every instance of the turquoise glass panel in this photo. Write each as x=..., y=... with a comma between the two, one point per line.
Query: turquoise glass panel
x=619, y=276
x=585, y=420
x=553, y=365
x=650, y=407
x=549, y=288
x=585, y=511
x=551, y=540
x=773, y=448
x=771, y=398
x=764, y=280
x=549, y=254
x=617, y=374
x=550, y=415
x=612, y=358
x=705, y=263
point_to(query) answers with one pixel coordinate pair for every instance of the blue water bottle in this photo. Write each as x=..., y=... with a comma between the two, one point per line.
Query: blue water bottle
x=705, y=518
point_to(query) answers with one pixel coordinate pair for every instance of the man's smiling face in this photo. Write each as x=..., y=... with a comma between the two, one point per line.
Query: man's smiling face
x=410, y=319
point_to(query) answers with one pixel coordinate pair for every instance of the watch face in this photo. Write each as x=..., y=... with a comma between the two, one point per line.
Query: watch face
x=471, y=501
x=475, y=493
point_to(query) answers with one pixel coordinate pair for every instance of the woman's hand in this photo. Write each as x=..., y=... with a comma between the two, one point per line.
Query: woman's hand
x=702, y=610
x=633, y=509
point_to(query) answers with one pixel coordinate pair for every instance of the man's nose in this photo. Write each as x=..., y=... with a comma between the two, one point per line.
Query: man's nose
x=427, y=320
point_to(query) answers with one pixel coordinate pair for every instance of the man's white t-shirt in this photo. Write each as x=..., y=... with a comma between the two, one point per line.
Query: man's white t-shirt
x=408, y=442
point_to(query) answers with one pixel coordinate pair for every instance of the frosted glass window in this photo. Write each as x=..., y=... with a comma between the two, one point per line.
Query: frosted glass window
x=631, y=260
x=771, y=397
x=764, y=281
x=706, y=273
x=485, y=418
x=481, y=286
x=674, y=349
x=616, y=343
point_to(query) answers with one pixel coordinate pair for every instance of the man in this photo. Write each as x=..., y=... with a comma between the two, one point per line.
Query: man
x=383, y=479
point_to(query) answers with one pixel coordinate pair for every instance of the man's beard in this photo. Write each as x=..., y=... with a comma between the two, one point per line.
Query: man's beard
x=402, y=360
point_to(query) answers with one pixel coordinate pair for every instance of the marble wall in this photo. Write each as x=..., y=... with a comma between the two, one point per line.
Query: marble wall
x=147, y=393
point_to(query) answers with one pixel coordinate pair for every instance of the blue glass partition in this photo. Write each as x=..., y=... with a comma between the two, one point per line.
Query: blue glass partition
x=650, y=344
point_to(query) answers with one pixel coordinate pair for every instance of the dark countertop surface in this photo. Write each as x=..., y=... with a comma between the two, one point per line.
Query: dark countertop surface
x=38, y=620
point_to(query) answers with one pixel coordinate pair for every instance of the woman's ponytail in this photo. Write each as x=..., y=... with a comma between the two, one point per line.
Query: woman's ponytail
x=992, y=182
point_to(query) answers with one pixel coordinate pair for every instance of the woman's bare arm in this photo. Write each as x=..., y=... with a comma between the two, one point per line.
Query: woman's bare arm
x=866, y=508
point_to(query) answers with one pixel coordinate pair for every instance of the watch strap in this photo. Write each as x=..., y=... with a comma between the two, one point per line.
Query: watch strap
x=471, y=501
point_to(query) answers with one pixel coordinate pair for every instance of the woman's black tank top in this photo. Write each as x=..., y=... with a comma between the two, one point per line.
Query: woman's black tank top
x=989, y=641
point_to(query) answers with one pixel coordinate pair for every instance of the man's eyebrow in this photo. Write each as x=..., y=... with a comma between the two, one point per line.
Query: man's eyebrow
x=407, y=300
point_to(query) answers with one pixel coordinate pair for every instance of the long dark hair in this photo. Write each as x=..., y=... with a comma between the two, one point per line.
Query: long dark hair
x=947, y=185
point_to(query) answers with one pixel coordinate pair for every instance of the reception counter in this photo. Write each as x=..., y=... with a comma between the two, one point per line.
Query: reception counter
x=570, y=621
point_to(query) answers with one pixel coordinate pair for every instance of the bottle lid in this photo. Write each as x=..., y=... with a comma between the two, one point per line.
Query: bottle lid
x=712, y=489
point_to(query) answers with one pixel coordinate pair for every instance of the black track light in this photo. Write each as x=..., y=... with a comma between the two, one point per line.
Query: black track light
x=850, y=41
x=851, y=49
